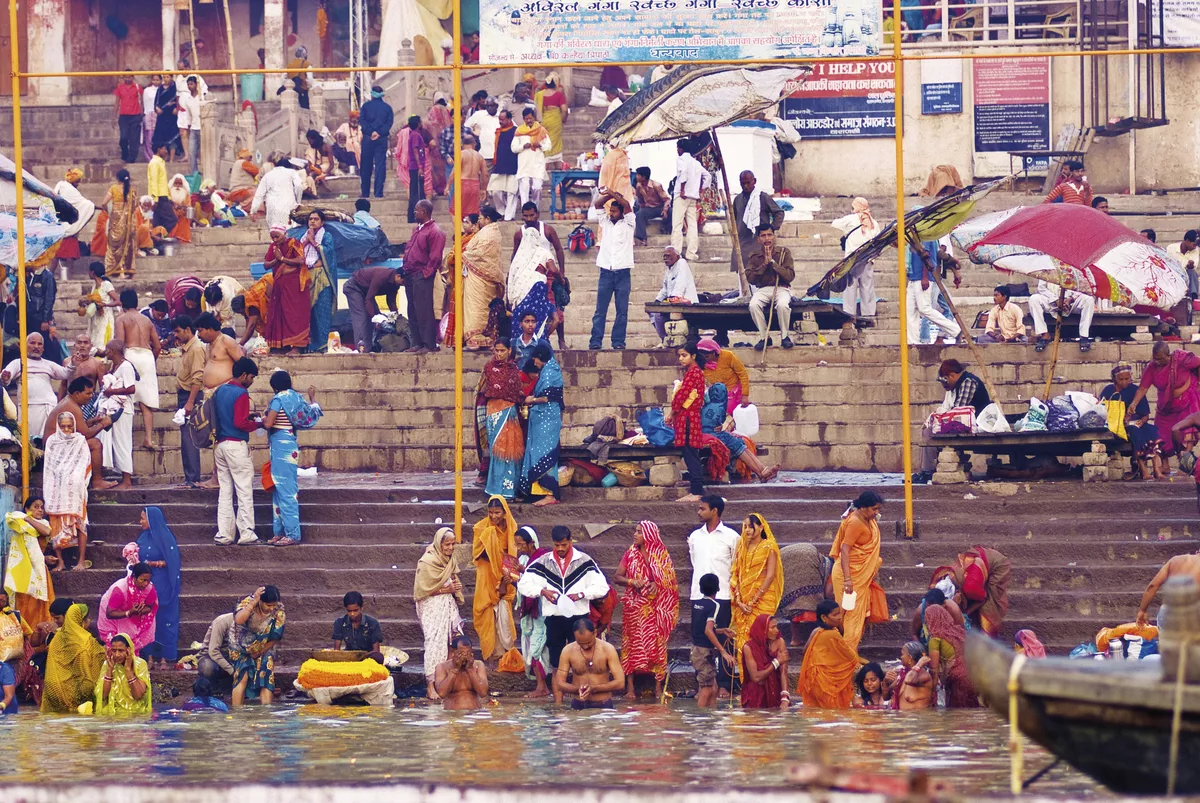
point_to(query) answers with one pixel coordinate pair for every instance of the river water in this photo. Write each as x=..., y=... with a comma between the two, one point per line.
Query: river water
x=514, y=743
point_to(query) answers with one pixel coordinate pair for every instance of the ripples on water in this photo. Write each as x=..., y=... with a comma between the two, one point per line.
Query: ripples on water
x=517, y=744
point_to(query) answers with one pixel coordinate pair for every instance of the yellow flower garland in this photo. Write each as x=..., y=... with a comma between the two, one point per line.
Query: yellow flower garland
x=324, y=674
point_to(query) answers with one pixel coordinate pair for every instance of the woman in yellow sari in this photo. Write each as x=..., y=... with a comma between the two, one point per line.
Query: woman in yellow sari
x=124, y=683
x=756, y=584
x=552, y=108
x=26, y=580
x=485, y=276
x=72, y=664
x=856, y=563
x=494, y=541
x=121, y=205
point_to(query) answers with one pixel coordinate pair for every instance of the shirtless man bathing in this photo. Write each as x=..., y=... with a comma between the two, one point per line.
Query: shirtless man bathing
x=590, y=669
x=1178, y=566
x=142, y=348
x=461, y=681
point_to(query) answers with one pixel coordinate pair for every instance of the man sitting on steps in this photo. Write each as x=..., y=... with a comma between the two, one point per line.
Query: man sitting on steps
x=770, y=272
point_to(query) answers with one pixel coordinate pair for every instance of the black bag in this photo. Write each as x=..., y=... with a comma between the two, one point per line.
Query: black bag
x=561, y=288
x=201, y=425
x=787, y=150
x=846, y=236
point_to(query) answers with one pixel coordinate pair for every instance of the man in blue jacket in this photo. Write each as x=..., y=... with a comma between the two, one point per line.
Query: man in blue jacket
x=232, y=424
x=375, y=118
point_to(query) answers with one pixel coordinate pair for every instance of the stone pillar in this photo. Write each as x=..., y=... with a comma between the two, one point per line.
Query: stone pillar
x=316, y=105
x=273, y=40
x=170, y=36
x=411, y=78
x=210, y=157
x=47, y=52
x=289, y=103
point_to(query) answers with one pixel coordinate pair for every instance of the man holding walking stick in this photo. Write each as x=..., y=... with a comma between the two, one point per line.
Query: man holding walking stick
x=770, y=272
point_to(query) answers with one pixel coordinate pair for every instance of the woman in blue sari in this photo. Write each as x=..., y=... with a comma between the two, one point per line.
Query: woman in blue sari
x=287, y=413
x=158, y=548
x=320, y=257
x=712, y=422
x=545, y=427
x=259, y=619
x=501, y=387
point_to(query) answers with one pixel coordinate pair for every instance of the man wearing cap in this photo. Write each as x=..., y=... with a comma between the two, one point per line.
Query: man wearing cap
x=963, y=389
x=376, y=119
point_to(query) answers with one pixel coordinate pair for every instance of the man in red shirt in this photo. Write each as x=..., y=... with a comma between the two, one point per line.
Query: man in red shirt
x=422, y=258
x=129, y=117
x=1073, y=189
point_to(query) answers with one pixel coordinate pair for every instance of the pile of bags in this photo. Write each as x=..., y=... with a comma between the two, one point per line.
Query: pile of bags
x=1070, y=412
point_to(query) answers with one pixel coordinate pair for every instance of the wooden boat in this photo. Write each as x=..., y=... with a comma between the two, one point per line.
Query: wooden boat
x=1108, y=719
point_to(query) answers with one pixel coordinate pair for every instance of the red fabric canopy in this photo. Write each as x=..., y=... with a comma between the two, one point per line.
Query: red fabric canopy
x=1074, y=234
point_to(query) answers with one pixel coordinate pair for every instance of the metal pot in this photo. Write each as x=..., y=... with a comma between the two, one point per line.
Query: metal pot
x=168, y=249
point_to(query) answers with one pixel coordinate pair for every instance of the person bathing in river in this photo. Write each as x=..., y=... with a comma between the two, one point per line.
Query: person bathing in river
x=827, y=672
x=872, y=687
x=912, y=684
x=590, y=669
x=461, y=681
x=1178, y=566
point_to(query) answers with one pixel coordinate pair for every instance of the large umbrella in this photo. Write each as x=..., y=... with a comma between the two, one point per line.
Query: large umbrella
x=696, y=98
x=930, y=222
x=1078, y=249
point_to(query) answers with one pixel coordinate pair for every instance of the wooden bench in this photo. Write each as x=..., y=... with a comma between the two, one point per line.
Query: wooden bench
x=643, y=455
x=809, y=315
x=1101, y=450
x=1105, y=325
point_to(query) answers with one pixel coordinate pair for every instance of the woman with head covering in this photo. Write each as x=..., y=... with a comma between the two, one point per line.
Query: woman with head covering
x=438, y=592
x=494, y=538
x=713, y=422
x=437, y=119
x=858, y=227
x=1026, y=643
x=947, y=659
x=26, y=581
x=756, y=583
x=501, y=388
x=827, y=672
x=287, y=413
x=856, y=563
x=484, y=277
x=166, y=121
x=532, y=636
x=260, y=620
x=243, y=176
x=1118, y=397
x=942, y=180
x=124, y=683
x=73, y=664
x=545, y=428
x=287, y=315
x=723, y=366
x=120, y=203
x=66, y=475
x=764, y=664
x=552, y=108
x=1173, y=375
x=130, y=607
x=158, y=548
x=651, y=603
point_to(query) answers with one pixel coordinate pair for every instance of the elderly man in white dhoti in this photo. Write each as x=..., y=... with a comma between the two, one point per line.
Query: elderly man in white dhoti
x=42, y=373
x=142, y=348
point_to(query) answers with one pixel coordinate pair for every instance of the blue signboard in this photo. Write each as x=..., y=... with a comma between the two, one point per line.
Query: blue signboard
x=942, y=98
x=842, y=100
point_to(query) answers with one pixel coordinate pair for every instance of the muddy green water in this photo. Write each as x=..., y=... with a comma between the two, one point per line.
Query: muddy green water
x=516, y=744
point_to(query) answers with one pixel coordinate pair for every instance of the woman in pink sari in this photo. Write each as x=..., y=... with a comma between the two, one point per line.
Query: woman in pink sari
x=129, y=607
x=1173, y=375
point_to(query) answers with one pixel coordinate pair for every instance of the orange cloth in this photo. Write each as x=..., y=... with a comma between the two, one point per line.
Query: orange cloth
x=183, y=228
x=489, y=546
x=258, y=295
x=99, y=242
x=865, y=561
x=827, y=674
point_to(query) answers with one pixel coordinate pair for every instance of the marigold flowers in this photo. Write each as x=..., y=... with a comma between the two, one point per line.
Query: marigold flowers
x=324, y=674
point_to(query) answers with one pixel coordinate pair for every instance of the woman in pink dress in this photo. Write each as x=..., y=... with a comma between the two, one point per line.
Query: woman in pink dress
x=129, y=607
x=1173, y=375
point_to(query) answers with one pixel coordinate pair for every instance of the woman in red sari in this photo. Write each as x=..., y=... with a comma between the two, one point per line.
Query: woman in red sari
x=651, y=603
x=764, y=667
x=684, y=416
x=947, y=657
x=1174, y=376
x=291, y=308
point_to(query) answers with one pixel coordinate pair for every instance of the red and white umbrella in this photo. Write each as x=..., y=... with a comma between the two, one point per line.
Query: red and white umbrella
x=1078, y=248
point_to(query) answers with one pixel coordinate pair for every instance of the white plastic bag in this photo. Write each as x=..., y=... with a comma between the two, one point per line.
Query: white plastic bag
x=1035, y=419
x=745, y=420
x=849, y=601
x=991, y=420
x=1084, y=402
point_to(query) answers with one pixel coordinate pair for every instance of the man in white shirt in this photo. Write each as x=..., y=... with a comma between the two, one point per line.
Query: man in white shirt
x=567, y=581
x=615, y=260
x=120, y=385
x=42, y=373
x=1046, y=300
x=189, y=122
x=484, y=123
x=1184, y=251
x=688, y=184
x=614, y=99
x=712, y=547
x=678, y=286
x=529, y=144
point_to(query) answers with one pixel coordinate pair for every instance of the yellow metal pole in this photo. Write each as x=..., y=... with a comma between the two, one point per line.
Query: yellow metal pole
x=456, y=211
x=901, y=252
x=22, y=306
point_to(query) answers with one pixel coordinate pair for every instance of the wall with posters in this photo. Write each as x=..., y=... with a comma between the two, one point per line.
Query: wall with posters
x=845, y=100
x=1167, y=157
x=1011, y=111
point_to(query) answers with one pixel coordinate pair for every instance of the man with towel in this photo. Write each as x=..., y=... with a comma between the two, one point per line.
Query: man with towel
x=142, y=347
x=752, y=209
x=42, y=373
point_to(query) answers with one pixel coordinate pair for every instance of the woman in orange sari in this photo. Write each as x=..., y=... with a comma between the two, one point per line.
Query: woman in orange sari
x=756, y=583
x=287, y=322
x=856, y=563
x=494, y=538
x=827, y=673
x=651, y=604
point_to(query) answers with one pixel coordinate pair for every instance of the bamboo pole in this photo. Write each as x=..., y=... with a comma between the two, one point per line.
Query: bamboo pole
x=192, y=33
x=456, y=211
x=1062, y=295
x=22, y=291
x=229, y=42
x=901, y=249
x=966, y=335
